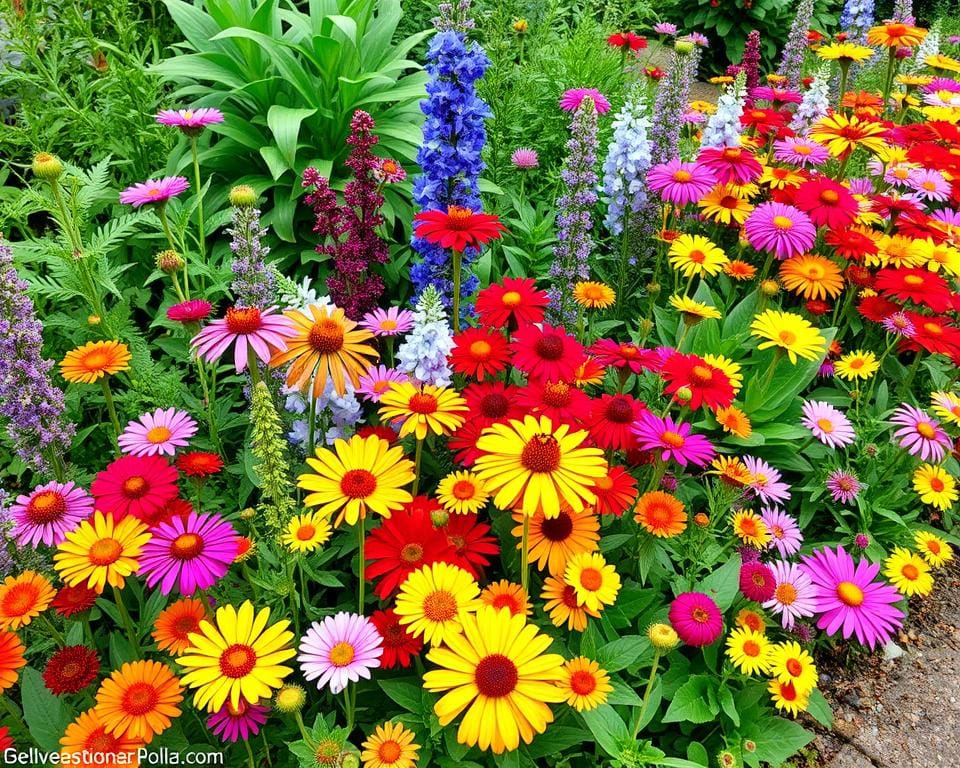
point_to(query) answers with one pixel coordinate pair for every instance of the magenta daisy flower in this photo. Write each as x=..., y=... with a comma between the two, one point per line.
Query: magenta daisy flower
x=571, y=99
x=387, y=322
x=248, y=327
x=376, y=381
x=929, y=184
x=849, y=600
x=785, y=534
x=48, y=513
x=899, y=325
x=795, y=596
x=680, y=183
x=190, y=311
x=189, y=553
x=843, y=486
x=780, y=229
x=672, y=440
x=237, y=723
x=828, y=424
x=766, y=482
x=190, y=119
x=162, y=431
x=154, y=191
x=525, y=159
x=696, y=618
x=801, y=152
x=920, y=434
x=731, y=165
x=757, y=581
x=339, y=650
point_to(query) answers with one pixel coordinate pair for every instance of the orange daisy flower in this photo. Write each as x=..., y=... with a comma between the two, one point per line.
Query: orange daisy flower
x=22, y=598
x=175, y=623
x=506, y=594
x=88, y=734
x=94, y=360
x=661, y=514
x=734, y=421
x=553, y=541
x=139, y=700
x=563, y=605
x=896, y=35
x=11, y=659
x=811, y=276
x=739, y=270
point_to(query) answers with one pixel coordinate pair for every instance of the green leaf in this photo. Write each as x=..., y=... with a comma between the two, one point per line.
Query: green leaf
x=697, y=753
x=406, y=695
x=728, y=706
x=46, y=715
x=555, y=740
x=284, y=123
x=777, y=739
x=694, y=702
x=819, y=709
x=622, y=653
x=607, y=728
x=722, y=585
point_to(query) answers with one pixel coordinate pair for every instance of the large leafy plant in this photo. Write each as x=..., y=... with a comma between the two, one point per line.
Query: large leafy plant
x=288, y=82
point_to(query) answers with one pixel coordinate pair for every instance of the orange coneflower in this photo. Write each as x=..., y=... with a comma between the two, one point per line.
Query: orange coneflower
x=895, y=34
x=139, y=700
x=88, y=734
x=563, y=605
x=553, y=541
x=506, y=594
x=94, y=360
x=811, y=276
x=175, y=623
x=661, y=514
x=22, y=598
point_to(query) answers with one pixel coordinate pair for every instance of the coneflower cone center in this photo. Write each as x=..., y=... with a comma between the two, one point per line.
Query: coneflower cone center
x=619, y=410
x=480, y=349
x=496, y=676
x=511, y=299
x=186, y=546
x=850, y=594
x=464, y=489
x=45, y=507
x=135, y=487
x=910, y=572
x=305, y=532
x=557, y=528
x=422, y=403
x=242, y=321
x=926, y=430
x=237, y=661
x=549, y=346
x=139, y=699
x=358, y=484
x=184, y=626
x=541, y=454
x=700, y=375
x=326, y=336
x=672, y=439
x=782, y=223
x=104, y=552
x=794, y=667
x=159, y=435
x=583, y=683
x=556, y=394
x=751, y=648
x=495, y=406
x=458, y=217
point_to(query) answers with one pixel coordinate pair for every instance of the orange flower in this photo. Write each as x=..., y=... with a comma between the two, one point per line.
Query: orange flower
x=553, y=541
x=811, y=276
x=661, y=514
x=896, y=35
x=506, y=594
x=94, y=360
x=139, y=700
x=22, y=598
x=176, y=622
x=734, y=421
x=88, y=734
x=564, y=607
x=739, y=270
x=11, y=659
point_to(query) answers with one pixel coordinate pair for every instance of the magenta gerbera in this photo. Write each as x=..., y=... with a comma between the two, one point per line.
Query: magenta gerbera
x=671, y=440
x=48, y=513
x=162, y=431
x=680, y=183
x=387, y=322
x=189, y=553
x=795, y=596
x=190, y=311
x=190, y=119
x=780, y=229
x=237, y=723
x=731, y=165
x=339, y=650
x=784, y=530
x=154, y=191
x=765, y=482
x=571, y=99
x=249, y=328
x=828, y=424
x=696, y=618
x=757, y=581
x=920, y=433
x=843, y=486
x=849, y=600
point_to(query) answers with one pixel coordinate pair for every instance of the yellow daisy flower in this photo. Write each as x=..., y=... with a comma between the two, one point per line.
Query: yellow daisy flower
x=908, y=572
x=434, y=600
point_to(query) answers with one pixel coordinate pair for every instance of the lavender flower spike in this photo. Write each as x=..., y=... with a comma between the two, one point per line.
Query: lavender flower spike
x=625, y=168
x=791, y=60
x=253, y=284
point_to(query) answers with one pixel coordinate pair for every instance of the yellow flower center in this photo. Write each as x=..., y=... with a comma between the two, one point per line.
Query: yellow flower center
x=926, y=430
x=850, y=594
x=785, y=593
x=342, y=654
x=782, y=222
x=825, y=425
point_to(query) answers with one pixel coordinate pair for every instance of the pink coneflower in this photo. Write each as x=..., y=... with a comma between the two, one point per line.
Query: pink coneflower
x=389, y=171
x=757, y=581
x=339, y=650
x=765, y=482
x=920, y=433
x=387, y=322
x=680, y=183
x=665, y=28
x=376, y=381
x=237, y=723
x=795, y=596
x=525, y=159
x=190, y=120
x=843, y=486
x=625, y=355
x=929, y=184
x=191, y=311
x=251, y=328
x=48, y=513
x=780, y=229
x=731, y=165
x=696, y=618
x=162, y=431
x=154, y=191
x=570, y=101
x=828, y=424
x=671, y=440
x=899, y=325
x=189, y=553
x=849, y=600
x=800, y=152
x=785, y=534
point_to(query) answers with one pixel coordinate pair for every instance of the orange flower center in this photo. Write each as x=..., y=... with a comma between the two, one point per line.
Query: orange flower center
x=802, y=149
x=786, y=594
x=411, y=553
x=591, y=579
x=480, y=349
x=700, y=615
x=458, y=217
x=464, y=489
x=682, y=176
x=933, y=547
x=913, y=280
x=748, y=527
x=926, y=429
x=326, y=336
x=389, y=752
x=782, y=222
x=701, y=375
x=506, y=600
x=850, y=594
x=96, y=359
x=794, y=667
x=829, y=196
x=45, y=507
x=100, y=741
x=937, y=484
x=358, y=484
x=186, y=546
x=730, y=202
x=787, y=337
x=697, y=256
x=104, y=552
x=550, y=346
x=672, y=439
x=732, y=153
x=557, y=528
x=556, y=394
x=342, y=654
x=593, y=292
x=135, y=486
x=243, y=321
x=788, y=692
x=933, y=329
x=439, y=606
x=388, y=325
x=139, y=699
x=619, y=410
x=159, y=435
x=511, y=299
x=825, y=425
x=20, y=599
x=422, y=403
x=896, y=30
x=910, y=572
x=305, y=532
x=751, y=648
x=583, y=683
x=541, y=454
x=628, y=351
x=605, y=483
x=237, y=661
x=496, y=676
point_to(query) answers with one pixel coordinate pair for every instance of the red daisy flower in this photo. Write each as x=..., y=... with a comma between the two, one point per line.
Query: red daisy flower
x=480, y=353
x=514, y=303
x=174, y=508
x=547, y=353
x=627, y=40
x=827, y=203
x=71, y=669
x=134, y=485
x=616, y=492
x=877, y=308
x=423, y=505
x=610, y=420
x=464, y=442
x=404, y=542
x=562, y=402
x=5, y=741
x=491, y=402
x=199, y=463
x=919, y=226
x=933, y=334
x=766, y=121
x=817, y=307
x=917, y=285
x=70, y=601
x=399, y=646
x=624, y=355
x=707, y=383
x=731, y=165
x=931, y=156
x=470, y=539
x=891, y=206
x=380, y=430
x=851, y=243
x=457, y=228
x=859, y=276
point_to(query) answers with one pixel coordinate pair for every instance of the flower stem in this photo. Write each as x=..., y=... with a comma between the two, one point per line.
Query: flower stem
x=201, y=240
x=457, y=265
x=311, y=422
x=363, y=561
x=162, y=213
x=524, y=552
x=646, y=694
x=127, y=622
x=53, y=630
x=303, y=731
x=247, y=745
x=770, y=371
x=844, y=71
x=111, y=409
x=252, y=360
x=418, y=454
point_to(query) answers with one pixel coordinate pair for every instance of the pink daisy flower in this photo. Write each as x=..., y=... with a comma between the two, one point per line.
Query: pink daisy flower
x=849, y=600
x=387, y=322
x=843, y=486
x=899, y=325
x=780, y=229
x=339, y=650
x=920, y=434
x=828, y=424
x=237, y=723
x=571, y=99
x=795, y=596
x=766, y=482
x=525, y=159
x=731, y=165
x=785, y=534
x=190, y=120
x=680, y=183
x=162, y=431
x=757, y=581
x=154, y=191
x=376, y=381
x=251, y=329
x=191, y=311
x=672, y=440
x=389, y=171
x=189, y=553
x=929, y=184
x=801, y=152
x=696, y=618
x=48, y=513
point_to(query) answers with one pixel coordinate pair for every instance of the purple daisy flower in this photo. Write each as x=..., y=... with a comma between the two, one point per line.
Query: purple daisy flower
x=795, y=596
x=571, y=99
x=665, y=28
x=339, y=650
x=160, y=432
x=828, y=424
x=525, y=159
x=190, y=118
x=237, y=723
x=800, y=152
x=929, y=184
x=680, y=183
x=672, y=440
x=154, y=191
x=899, y=325
x=849, y=600
x=785, y=534
x=843, y=486
x=48, y=513
x=780, y=229
x=766, y=483
x=376, y=381
x=387, y=322
x=920, y=433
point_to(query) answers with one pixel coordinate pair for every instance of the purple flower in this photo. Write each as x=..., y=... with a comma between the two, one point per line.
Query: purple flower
x=843, y=486
x=190, y=121
x=680, y=183
x=49, y=513
x=795, y=49
x=237, y=723
x=672, y=440
x=920, y=433
x=766, y=482
x=665, y=28
x=929, y=184
x=154, y=191
x=573, y=98
x=750, y=63
x=780, y=229
x=387, y=322
x=254, y=284
x=376, y=381
x=189, y=554
x=828, y=424
x=525, y=159
x=795, y=596
x=339, y=650
x=785, y=534
x=673, y=94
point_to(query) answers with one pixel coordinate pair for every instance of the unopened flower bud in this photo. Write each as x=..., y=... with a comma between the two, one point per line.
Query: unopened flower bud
x=94, y=319
x=290, y=698
x=701, y=519
x=653, y=288
x=663, y=637
x=521, y=26
x=350, y=760
x=646, y=326
x=683, y=47
x=683, y=394
x=248, y=514
x=770, y=287
x=46, y=166
x=439, y=517
x=727, y=759
x=243, y=196
x=749, y=745
x=169, y=261
x=871, y=450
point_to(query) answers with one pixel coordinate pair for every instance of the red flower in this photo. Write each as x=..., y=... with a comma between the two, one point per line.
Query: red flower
x=919, y=226
x=174, y=508
x=71, y=669
x=562, y=402
x=917, y=285
x=380, y=430
x=827, y=203
x=192, y=311
x=627, y=40
x=471, y=541
x=859, y=276
x=5, y=741
x=464, y=442
x=399, y=646
x=626, y=355
x=514, y=303
x=479, y=353
x=757, y=581
x=404, y=542
x=877, y=308
x=492, y=402
x=73, y=600
x=817, y=307
x=891, y=206
x=457, y=228
x=616, y=492
x=765, y=121
x=610, y=421
x=547, y=353
x=134, y=485
x=851, y=243
x=731, y=165
x=932, y=334
x=707, y=383
x=654, y=73
x=199, y=464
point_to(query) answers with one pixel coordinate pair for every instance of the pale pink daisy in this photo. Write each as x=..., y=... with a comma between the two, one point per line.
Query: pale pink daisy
x=785, y=534
x=798, y=151
x=525, y=159
x=929, y=184
x=376, y=381
x=795, y=596
x=48, y=513
x=154, y=191
x=828, y=424
x=160, y=432
x=387, y=322
x=339, y=650
x=843, y=486
x=920, y=433
x=249, y=328
x=766, y=483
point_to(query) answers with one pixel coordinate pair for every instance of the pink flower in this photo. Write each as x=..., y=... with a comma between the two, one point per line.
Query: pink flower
x=757, y=581
x=237, y=723
x=680, y=183
x=192, y=311
x=190, y=118
x=154, y=191
x=801, y=152
x=162, y=431
x=387, y=322
x=843, y=486
x=376, y=381
x=671, y=440
x=766, y=481
x=48, y=513
x=570, y=101
x=388, y=170
x=828, y=424
x=525, y=159
x=696, y=618
x=920, y=434
x=795, y=596
x=780, y=229
x=263, y=332
x=785, y=534
x=339, y=650
x=731, y=165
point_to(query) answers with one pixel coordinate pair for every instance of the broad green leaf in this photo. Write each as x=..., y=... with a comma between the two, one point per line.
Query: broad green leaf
x=722, y=585
x=694, y=702
x=607, y=728
x=46, y=715
x=284, y=123
x=407, y=695
x=777, y=739
x=622, y=653
x=819, y=709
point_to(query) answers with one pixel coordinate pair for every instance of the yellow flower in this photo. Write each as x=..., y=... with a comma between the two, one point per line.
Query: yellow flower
x=594, y=295
x=390, y=746
x=584, y=684
x=102, y=552
x=306, y=532
x=937, y=256
x=462, y=493
x=750, y=528
x=696, y=255
x=935, y=550
x=857, y=365
x=435, y=600
x=734, y=421
x=789, y=663
x=786, y=698
x=908, y=572
x=424, y=409
x=841, y=134
x=663, y=637
x=731, y=369
x=595, y=583
x=726, y=204
x=789, y=332
x=934, y=486
x=749, y=651
x=844, y=52
x=693, y=311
